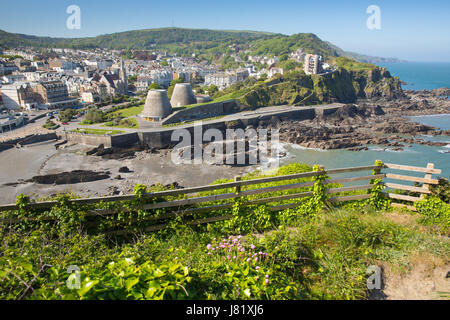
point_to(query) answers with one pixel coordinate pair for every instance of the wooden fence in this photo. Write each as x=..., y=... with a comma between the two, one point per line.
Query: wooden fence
x=191, y=201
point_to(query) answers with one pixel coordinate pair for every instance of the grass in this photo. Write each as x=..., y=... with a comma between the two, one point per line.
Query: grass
x=129, y=112
x=190, y=122
x=322, y=254
x=133, y=121
x=98, y=131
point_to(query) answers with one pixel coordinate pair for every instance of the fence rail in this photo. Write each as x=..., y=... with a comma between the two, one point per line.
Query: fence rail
x=188, y=206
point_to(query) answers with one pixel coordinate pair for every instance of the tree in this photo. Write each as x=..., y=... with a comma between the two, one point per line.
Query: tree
x=132, y=79
x=154, y=86
x=66, y=115
x=94, y=116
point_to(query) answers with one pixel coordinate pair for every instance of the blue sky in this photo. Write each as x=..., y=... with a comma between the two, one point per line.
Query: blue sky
x=412, y=30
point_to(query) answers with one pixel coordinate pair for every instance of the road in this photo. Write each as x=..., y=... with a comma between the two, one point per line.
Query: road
x=29, y=128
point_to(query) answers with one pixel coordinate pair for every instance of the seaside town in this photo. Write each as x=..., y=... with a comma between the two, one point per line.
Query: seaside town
x=192, y=164
x=67, y=78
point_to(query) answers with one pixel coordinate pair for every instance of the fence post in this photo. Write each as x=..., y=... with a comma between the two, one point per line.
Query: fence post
x=427, y=176
x=377, y=171
x=237, y=188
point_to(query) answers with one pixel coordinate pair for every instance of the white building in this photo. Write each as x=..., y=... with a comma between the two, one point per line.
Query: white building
x=19, y=95
x=273, y=71
x=313, y=64
x=225, y=79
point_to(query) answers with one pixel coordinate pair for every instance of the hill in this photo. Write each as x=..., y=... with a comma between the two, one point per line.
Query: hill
x=209, y=43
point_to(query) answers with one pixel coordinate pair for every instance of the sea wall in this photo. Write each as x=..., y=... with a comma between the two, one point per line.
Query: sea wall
x=30, y=139
x=120, y=140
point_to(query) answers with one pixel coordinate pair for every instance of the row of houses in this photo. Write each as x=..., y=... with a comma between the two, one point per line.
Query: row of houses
x=29, y=95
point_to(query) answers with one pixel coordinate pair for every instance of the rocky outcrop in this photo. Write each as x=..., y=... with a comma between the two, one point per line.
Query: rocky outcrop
x=343, y=86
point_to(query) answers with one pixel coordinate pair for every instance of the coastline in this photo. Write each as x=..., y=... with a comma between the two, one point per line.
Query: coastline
x=356, y=135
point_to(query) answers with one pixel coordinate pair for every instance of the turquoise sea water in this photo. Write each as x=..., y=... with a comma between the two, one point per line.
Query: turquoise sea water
x=416, y=155
x=421, y=75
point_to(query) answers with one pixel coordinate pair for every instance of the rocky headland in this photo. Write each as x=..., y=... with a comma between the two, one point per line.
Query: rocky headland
x=381, y=121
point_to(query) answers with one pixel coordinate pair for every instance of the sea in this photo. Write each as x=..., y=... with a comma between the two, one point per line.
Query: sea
x=418, y=76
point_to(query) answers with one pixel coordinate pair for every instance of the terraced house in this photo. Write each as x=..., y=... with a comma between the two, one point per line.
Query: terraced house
x=54, y=94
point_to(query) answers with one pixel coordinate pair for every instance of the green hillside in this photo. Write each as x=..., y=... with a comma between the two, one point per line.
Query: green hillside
x=208, y=44
x=137, y=39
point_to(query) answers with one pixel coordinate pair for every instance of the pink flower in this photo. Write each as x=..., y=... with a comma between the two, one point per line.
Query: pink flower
x=208, y=246
x=252, y=246
x=266, y=281
x=242, y=250
x=209, y=253
x=239, y=237
x=257, y=268
x=267, y=276
x=256, y=259
x=228, y=257
x=248, y=259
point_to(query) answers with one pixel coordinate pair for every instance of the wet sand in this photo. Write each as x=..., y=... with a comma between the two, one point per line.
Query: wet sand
x=147, y=168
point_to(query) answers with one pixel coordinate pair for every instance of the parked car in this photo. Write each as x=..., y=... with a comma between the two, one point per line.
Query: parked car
x=65, y=123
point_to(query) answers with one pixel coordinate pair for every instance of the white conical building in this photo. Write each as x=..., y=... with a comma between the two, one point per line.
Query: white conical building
x=182, y=95
x=157, y=105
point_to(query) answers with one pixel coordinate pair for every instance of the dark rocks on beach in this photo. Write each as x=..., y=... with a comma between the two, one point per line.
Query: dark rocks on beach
x=114, y=153
x=124, y=170
x=76, y=176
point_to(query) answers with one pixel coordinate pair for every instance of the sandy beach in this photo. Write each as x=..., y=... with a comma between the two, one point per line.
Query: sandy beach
x=146, y=168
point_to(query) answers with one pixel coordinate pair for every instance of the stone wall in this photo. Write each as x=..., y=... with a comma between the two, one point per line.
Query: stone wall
x=88, y=139
x=120, y=140
x=30, y=139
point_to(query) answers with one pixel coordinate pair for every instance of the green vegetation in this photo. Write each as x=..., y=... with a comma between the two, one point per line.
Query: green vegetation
x=67, y=114
x=311, y=252
x=139, y=39
x=50, y=125
x=5, y=56
x=282, y=44
x=93, y=116
x=190, y=122
x=209, y=45
x=115, y=117
x=122, y=123
x=353, y=65
x=154, y=86
x=97, y=131
x=128, y=112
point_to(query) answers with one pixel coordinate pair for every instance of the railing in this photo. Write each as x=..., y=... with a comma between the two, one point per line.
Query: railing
x=189, y=206
x=426, y=181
